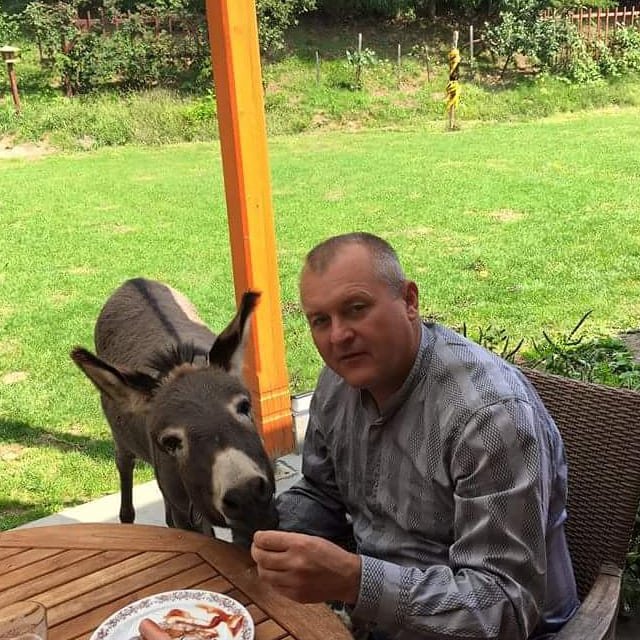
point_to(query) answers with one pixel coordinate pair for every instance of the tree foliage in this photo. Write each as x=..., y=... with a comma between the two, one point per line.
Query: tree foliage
x=9, y=29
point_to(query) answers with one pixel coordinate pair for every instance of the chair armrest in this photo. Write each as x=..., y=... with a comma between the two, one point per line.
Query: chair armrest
x=596, y=617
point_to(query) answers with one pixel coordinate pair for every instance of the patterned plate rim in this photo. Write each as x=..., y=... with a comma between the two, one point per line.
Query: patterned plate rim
x=179, y=595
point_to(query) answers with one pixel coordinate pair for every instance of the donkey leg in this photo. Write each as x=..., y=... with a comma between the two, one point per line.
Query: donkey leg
x=182, y=520
x=125, y=462
x=168, y=515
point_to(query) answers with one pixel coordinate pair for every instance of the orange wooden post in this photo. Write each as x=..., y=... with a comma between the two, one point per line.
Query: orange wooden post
x=235, y=55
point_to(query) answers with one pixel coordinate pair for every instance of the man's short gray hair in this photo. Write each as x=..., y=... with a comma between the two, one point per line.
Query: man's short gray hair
x=385, y=259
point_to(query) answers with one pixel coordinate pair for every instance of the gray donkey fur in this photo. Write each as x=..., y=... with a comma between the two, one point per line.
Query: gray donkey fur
x=173, y=396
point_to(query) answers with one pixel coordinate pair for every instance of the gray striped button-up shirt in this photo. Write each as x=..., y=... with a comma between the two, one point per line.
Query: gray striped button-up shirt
x=455, y=495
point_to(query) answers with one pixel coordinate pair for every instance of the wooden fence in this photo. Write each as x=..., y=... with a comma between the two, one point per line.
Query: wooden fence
x=599, y=24
x=86, y=23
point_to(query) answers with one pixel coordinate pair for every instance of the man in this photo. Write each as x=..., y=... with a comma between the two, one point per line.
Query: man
x=436, y=454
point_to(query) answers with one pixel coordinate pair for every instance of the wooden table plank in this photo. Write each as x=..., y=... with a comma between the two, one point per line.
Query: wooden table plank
x=41, y=568
x=90, y=582
x=27, y=557
x=269, y=630
x=81, y=595
x=217, y=584
x=256, y=613
x=120, y=537
x=41, y=584
x=228, y=558
x=116, y=588
x=310, y=621
x=5, y=553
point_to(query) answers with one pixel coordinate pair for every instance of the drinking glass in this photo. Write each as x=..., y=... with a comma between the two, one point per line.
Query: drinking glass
x=24, y=620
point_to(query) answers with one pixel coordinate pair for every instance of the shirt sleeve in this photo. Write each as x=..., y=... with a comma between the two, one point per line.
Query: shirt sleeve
x=494, y=584
x=314, y=505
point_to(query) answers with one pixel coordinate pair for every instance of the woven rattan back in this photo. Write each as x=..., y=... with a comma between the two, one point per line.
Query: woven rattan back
x=600, y=427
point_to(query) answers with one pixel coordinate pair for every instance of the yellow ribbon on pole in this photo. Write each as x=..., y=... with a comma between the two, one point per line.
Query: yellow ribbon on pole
x=453, y=86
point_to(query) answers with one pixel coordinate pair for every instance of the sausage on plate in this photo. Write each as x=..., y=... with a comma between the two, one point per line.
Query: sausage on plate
x=149, y=630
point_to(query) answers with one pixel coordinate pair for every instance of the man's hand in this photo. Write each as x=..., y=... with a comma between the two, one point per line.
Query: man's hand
x=306, y=568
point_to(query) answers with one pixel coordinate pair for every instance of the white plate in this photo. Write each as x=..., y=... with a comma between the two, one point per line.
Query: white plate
x=123, y=624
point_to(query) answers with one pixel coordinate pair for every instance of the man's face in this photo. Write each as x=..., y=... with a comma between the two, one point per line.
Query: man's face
x=363, y=330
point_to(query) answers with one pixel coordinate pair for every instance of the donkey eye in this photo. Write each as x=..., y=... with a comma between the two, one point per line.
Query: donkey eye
x=244, y=407
x=171, y=444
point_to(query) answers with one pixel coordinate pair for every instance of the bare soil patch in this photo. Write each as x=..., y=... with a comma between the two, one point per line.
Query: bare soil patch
x=24, y=151
x=9, y=452
x=14, y=377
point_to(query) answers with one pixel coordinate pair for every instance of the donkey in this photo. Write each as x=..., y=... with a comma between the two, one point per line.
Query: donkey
x=173, y=396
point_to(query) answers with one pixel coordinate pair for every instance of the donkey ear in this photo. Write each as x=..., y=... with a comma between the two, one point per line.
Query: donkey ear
x=228, y=349
x=131, y=390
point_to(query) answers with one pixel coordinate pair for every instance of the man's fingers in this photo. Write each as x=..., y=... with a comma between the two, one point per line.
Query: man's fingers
x=272, y=560
x=274, y=540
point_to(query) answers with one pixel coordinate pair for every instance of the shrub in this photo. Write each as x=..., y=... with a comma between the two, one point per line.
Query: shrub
x=625, y=47
x=9, y=29
x=516, y=31
x=88, y=63
x=51, y=25
x=275, y=17
x=607, y=63
x=578, y=65
x=358, y=60
x=143, y=59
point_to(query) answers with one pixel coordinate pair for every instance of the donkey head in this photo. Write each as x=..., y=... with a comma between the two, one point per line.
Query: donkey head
x=204, y=444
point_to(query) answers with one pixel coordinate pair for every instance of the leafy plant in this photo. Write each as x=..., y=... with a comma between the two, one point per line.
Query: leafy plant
x=9, y=28
x=88, y=63
x=358, y=60
x=625, y=47
x=515, y=32
x=565, y=354
x=275, y=17
x=52, y=25
x=496, y=340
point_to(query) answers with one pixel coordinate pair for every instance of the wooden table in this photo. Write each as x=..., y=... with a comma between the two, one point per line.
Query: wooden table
x=83, y=573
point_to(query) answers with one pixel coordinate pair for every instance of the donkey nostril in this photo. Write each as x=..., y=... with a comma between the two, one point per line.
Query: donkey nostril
x=230, y=504
x=255, y=494
x=260, y=489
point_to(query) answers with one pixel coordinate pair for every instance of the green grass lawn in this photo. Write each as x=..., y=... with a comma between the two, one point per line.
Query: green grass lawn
x=522, y=226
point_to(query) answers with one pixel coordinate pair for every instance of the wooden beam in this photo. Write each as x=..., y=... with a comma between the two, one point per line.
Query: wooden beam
x=235, y=56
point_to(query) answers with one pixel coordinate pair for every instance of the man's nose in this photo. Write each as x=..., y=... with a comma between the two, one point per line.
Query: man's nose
x=340, y=332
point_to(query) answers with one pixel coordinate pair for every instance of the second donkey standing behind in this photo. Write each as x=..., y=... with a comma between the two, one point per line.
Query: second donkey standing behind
x=173, y=395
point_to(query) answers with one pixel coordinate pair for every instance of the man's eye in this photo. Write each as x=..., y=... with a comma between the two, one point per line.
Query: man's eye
x=357, y=309
x=318, y=322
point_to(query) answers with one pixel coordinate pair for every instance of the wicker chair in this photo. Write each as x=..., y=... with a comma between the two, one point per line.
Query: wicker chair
x=601, y=431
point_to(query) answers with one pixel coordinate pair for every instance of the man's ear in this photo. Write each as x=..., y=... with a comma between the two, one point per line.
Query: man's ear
x=411, y=299
x=131, y=390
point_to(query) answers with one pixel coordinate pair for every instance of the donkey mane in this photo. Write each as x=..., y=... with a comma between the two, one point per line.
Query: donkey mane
x=167, y=359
